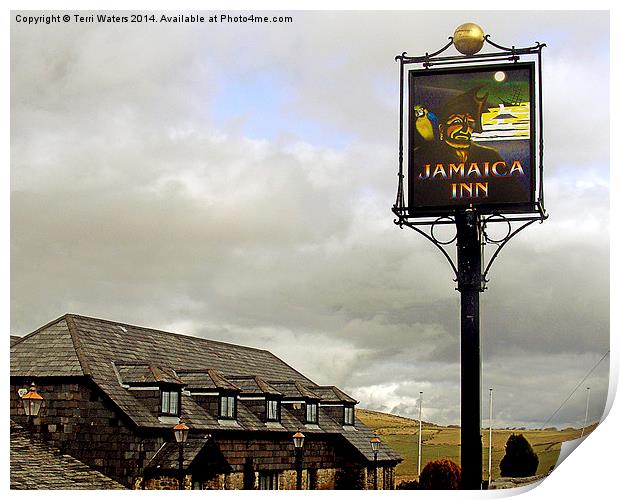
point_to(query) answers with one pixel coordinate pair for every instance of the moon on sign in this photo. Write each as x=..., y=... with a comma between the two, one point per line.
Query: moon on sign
x=500, y=76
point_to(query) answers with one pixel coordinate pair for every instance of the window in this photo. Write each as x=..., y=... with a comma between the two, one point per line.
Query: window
x=228, y=407
x=268, y=480
x=273, y=410
x=349, y=415
x=170, y=402
x=312, y=416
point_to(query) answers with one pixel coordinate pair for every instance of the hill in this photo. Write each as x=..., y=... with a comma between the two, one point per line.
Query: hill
x=401, y=433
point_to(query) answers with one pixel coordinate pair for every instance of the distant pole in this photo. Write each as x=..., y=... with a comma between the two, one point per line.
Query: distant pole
x=420, y=438
x=490, y=429
x=586, y=416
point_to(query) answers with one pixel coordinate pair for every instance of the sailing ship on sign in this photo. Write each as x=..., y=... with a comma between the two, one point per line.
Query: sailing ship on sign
x=509, y=121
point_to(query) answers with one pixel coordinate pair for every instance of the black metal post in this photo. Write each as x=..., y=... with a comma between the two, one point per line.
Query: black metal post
x=469, y=284
x=181, y=473
x=298, y=464
x=375, y=474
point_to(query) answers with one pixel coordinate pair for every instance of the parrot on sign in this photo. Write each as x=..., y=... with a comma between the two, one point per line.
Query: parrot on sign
x=426, y=122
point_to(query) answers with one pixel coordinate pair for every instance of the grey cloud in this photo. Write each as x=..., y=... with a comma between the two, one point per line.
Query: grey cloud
x=130, y=202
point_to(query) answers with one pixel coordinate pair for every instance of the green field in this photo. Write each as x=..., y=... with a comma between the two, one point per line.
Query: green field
x=401, y=434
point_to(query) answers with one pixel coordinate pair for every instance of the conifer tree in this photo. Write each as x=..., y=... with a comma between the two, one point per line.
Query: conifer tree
x=520, y=459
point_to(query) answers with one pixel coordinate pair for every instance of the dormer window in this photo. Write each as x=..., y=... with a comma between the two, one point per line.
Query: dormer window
x=312, y=413
x=272, y=410
x=349, y=415
x=170, y=400
x=228, y=407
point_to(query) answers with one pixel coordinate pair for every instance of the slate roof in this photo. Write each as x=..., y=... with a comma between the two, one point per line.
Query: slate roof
x=331, y=394
x=36, y=465
x=142, y=373
x=116, y=355
x=294, y=390
x=167, y=457
x=360, y=436
x=206, y=379
x=48, y=351
x=80, y=346
x=254, y=385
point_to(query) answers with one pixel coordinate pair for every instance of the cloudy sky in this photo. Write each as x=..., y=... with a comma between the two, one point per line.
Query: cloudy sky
x=235, y=182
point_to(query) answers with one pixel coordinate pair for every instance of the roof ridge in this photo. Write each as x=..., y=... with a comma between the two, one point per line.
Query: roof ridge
x=265, y=386
x=155, y=371
x=184, y=335
x=77, y=345
x=304, y=391
x=219, y=380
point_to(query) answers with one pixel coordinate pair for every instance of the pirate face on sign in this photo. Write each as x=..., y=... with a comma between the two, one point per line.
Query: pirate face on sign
x=460, y=117
x=457, y=130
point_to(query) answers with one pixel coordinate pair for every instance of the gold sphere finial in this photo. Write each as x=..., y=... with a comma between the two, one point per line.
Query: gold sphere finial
x=468, y=38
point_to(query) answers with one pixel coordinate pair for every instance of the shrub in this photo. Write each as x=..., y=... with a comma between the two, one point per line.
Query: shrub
x=520, y=459
x=441, y=474
x=408, y=485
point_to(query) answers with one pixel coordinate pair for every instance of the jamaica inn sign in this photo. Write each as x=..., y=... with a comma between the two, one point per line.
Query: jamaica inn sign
x=471, y=125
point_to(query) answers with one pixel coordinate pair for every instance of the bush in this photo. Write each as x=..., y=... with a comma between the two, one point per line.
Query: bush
x=408, y=485
x=441, y=474
x=520, y=459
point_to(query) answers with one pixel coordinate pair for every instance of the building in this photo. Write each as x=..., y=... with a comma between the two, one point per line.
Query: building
x=112, y=394
x=36, y=465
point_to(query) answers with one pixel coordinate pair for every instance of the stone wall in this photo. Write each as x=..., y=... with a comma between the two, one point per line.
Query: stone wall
x=388, y=478
x=288, y=480
x=275, y=452
x=502, y=483
x=77, y=419
x=324, y=479
x=370, y=478
x=162, y=483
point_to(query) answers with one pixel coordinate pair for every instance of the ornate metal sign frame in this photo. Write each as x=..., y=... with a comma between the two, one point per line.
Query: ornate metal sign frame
x=514, y=222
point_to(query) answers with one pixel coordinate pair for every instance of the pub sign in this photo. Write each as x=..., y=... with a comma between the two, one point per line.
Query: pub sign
x=471, y=139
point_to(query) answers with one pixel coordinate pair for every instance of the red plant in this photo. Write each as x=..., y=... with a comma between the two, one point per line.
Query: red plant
x=440, y=474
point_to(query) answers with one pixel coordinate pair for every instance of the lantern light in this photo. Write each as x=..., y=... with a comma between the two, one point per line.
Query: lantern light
x=298, y=440
x=375, y=442
x=32, y=401
x=181, y=432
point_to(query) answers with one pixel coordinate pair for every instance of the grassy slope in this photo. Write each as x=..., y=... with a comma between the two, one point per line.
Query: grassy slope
x=401, y=434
